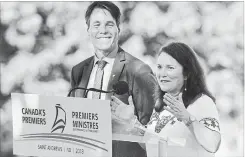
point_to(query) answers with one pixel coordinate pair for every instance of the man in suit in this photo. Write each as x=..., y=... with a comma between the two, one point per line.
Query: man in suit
x=111, y=64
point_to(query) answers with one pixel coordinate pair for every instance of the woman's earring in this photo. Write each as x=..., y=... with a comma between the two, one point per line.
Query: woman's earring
x=185, y=85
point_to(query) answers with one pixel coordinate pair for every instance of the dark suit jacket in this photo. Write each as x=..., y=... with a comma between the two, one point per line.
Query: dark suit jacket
x=141, y=83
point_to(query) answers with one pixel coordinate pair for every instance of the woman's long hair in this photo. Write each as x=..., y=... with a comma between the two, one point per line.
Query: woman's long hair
x=195, y=84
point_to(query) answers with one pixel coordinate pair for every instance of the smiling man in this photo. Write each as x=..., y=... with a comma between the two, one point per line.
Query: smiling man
x=111, y=64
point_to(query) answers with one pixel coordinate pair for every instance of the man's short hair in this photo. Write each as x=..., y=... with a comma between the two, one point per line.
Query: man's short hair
x=109, y=6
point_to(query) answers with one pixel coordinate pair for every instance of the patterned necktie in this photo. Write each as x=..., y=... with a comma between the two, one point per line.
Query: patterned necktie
x=99, y=79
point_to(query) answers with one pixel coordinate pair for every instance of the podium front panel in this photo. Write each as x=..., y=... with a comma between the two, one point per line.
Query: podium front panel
x=61, y=126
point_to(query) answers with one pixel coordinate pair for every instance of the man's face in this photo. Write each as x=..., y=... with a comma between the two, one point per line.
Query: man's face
x=103, y=30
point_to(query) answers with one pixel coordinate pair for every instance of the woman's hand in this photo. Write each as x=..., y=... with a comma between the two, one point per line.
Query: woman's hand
x=121, y=110
x=206, y=137
x=176, y=107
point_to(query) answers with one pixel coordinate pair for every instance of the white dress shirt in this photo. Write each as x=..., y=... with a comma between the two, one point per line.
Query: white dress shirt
x=106, y=77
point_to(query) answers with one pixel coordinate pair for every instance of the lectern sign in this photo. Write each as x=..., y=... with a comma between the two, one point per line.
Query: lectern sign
x=60, y=126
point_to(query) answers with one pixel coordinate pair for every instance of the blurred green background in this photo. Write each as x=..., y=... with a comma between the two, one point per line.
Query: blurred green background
x=41, y=41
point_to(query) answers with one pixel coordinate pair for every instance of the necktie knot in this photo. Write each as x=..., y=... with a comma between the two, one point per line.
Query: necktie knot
x=101, y=64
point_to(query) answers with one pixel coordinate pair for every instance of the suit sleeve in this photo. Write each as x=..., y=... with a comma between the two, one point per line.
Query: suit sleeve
x=143, y=91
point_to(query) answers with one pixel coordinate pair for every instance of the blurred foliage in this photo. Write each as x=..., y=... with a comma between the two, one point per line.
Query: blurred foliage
x=41, y=41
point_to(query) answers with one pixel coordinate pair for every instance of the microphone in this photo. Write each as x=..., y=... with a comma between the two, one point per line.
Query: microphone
x=121, y=87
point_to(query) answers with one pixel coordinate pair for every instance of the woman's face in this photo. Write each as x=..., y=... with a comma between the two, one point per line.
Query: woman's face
x=169, y=74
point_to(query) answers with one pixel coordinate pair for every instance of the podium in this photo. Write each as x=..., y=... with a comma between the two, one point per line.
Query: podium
x=68, y=126
x=60, y=126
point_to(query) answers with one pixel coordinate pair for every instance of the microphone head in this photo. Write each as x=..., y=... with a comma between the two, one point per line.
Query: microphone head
x=121, y=87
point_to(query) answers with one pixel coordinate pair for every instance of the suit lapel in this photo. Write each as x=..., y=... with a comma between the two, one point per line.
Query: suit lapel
x=85, y=77
x=117, y=70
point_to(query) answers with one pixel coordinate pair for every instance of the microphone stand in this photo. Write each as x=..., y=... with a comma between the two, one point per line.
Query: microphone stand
x=68, y=95
x=121, y=87
x=96, y=90
x=87, y=90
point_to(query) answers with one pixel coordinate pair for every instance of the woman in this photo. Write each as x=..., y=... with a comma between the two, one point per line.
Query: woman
x=184, y=107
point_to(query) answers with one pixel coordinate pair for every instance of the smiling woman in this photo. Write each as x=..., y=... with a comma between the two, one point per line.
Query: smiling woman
x=184, y=70
x=184, y=97
x=184, y=106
